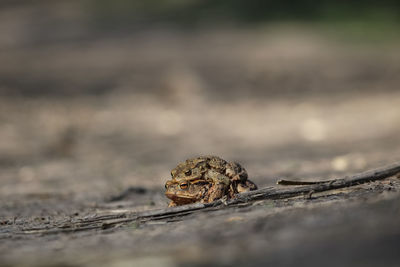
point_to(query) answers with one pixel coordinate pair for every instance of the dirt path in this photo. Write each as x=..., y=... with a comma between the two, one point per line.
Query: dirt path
x=116, y=115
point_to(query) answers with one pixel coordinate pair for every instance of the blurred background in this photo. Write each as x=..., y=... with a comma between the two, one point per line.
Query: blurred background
x=109, y=94
x=99, y=96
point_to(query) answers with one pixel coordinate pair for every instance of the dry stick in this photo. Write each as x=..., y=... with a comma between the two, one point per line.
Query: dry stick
x=265, y=193
x=292, y=182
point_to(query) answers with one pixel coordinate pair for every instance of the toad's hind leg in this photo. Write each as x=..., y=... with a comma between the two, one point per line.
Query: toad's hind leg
x=236, y=172
x=246, y=186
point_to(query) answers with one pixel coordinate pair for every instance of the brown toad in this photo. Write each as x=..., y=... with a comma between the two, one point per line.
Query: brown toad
x=205, y=179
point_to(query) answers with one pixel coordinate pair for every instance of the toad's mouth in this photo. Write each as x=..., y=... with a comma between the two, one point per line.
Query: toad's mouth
x=180, y=198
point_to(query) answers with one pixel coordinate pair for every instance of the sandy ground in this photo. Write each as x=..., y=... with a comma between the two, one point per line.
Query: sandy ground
x=83, y=121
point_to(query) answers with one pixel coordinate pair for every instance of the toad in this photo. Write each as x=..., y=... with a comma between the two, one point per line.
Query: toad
x=205, y=179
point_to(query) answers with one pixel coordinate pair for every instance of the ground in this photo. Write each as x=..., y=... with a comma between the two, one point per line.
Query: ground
x=114, y=115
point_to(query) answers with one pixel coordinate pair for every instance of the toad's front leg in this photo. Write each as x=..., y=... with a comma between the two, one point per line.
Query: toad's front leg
x=219, y=185
x=217, y=191
x=172, y=204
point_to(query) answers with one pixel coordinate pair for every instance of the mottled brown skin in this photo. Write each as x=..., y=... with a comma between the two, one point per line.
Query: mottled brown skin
x=186, y=192
x=205, y=179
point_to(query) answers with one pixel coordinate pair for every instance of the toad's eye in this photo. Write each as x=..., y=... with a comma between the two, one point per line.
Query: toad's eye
x=166, y=186
x=172, y=175
x=188, y=172
x=183, y=186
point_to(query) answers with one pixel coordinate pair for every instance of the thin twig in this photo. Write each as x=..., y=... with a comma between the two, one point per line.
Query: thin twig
x=105, y=222
x=292, y=182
